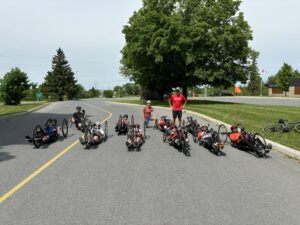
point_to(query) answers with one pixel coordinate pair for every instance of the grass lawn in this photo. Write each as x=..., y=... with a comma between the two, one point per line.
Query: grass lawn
x=253, y=117
x=13, y=109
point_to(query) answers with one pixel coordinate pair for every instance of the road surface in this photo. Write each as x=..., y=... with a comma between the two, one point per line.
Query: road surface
x=158, y=185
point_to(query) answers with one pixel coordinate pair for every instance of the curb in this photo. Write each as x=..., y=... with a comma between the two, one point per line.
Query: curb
x=24, y=113
x=293, y=153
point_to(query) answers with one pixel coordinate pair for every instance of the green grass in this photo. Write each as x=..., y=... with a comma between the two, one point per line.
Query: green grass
x=14, y=109
x=253, y=117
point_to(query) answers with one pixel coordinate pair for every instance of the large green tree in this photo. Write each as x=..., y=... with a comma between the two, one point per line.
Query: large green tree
x=284, y=76
x=60, y=81
x=13, y=85
x=254, y=83
x=186, y=43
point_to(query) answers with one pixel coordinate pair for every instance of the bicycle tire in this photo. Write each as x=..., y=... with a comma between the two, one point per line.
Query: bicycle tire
x=261, y=141
x=222, y=134
x=274, y=128
x=38, y=134
x=297, y=128
x=65, y=128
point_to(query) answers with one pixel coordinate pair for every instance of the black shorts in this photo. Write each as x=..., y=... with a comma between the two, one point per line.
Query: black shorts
x=177, y=114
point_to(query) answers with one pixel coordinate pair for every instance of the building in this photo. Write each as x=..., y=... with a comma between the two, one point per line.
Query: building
x=294, y=87
x=294, y=90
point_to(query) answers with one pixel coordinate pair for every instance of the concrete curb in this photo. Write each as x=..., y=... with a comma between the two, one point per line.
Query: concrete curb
x=24, y=113
x=293, y=153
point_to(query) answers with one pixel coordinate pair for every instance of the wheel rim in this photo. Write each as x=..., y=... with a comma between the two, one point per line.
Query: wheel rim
x=274, y=128
x=38, y=134
x=222, y=134
x=260, y=142
x=65, y=128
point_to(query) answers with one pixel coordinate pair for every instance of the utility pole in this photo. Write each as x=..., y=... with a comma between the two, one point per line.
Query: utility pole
x=261, y=86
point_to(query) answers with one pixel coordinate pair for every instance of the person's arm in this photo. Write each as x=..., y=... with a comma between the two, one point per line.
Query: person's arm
x=170, y=101
x=185, y=101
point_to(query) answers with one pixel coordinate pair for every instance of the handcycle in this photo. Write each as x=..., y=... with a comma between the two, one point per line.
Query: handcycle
x=135, y=136
x=42, y=135
x=250, y=142
x=89, y=135
x=211, y=139
x=283, y=126
x=121, y=128
x=180, y=141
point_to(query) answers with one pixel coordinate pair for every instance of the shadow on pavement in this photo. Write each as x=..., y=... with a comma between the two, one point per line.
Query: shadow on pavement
x=5, y=156
x=13, y=130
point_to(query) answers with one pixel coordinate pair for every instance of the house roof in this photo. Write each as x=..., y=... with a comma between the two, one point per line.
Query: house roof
x=295, y=82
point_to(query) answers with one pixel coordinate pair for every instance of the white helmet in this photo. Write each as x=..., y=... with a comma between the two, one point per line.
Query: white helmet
x=98, y=124
x=148, y=102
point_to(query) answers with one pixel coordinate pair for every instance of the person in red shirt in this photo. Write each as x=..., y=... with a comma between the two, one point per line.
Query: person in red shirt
x=149, y=114
x=177, y=102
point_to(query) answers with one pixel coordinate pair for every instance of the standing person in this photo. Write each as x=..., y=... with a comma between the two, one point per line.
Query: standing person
x=149, y=114
x=177, y=102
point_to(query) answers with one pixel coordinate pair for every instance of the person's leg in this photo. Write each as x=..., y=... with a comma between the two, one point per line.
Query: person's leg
x=179, y=114
x=174, y=116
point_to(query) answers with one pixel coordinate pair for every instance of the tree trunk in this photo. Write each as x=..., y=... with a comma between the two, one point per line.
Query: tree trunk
x=184, y=91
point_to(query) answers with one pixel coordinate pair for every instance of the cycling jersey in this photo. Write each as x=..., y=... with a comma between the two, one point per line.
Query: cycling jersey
x=177, y=102
x=147, y=111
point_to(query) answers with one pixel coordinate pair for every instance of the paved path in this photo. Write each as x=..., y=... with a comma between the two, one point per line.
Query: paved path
x=158, y=185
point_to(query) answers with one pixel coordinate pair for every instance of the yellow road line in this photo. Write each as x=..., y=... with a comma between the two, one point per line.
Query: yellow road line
x=47, y=164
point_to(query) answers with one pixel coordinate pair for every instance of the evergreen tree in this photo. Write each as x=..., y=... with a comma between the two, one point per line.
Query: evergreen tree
x=254, y=78
x=60, y=81
x=284, y=76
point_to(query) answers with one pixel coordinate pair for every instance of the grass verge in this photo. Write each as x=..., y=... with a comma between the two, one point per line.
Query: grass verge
x=253, y=117
x=6, y=110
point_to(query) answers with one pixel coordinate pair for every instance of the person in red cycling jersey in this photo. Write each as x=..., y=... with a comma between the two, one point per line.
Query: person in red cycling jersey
x=149, y=114
x=177, y=102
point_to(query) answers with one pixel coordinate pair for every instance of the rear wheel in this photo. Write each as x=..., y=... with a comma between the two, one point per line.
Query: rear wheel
x=297, y=127
x=274, y=128
x=38, y=134
x=65, y=128
x=87, y=137
x=105, y=130
x=165, y=137
x=132, y=120
x=260, y=144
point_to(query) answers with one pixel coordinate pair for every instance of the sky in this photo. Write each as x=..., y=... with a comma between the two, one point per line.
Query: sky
x=90, y=33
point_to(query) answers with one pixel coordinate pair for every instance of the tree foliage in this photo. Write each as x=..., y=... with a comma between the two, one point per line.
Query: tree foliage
x=60, y=81
x=13, y=85
x=185, y=43
x=108, y=93
x=254, y=77
x=284, y=76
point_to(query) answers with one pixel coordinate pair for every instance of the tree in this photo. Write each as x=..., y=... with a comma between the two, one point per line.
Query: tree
x=60, y=81
x=284, y=76
x=13, y=85
x=108, y=93
x=254, y=78
x=272, y=80
x=185, y=43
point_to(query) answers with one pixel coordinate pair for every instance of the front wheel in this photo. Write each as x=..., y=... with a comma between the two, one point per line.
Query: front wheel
x=274, y=128
x=222, y=134
x=65, y=128
x=106, y=129
x=260, y=144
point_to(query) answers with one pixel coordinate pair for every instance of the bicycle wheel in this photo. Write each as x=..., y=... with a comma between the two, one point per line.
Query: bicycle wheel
x=106, y=129
x=222, y=134
x=274, y=128
x=297, y=127
x=292, y=126
x=195, y=139
x=260, y=144
x=65, y=128
x=184, y=147
x=38, y=134
x=132, y=120
x=165, y=137
x=87, y=137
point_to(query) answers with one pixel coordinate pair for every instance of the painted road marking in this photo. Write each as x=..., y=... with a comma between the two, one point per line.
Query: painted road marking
x=47, y=164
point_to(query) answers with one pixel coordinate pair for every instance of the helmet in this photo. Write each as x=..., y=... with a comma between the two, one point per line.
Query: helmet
x=78, y=107
x=233, y=127
x=148, y=102
x=125, y=116
x=98, y=124
x=54, y=122
x=137, y=126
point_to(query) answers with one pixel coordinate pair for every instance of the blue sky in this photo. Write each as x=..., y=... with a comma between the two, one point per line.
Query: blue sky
x=89, y=31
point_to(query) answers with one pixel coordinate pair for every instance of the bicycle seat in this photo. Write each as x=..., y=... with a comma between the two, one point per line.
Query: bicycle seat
x=282, y=121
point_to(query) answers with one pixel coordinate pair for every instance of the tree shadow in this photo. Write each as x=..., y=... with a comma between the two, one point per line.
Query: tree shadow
x=5, y=156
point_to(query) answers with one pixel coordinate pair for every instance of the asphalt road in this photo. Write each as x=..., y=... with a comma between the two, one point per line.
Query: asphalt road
x=258, y=100
x=158, y=185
